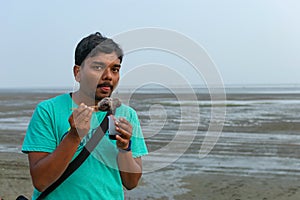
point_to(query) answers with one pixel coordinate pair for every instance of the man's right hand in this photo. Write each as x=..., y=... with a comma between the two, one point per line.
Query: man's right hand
x=80, y=120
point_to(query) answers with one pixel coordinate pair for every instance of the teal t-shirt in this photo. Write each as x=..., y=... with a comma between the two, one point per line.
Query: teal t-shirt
x=98, y=177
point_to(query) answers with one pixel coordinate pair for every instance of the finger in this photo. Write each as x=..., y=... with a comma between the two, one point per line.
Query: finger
x=123, y=120
x=122, y=142
x=90, y=111
x=124, y=133
x=124, y=129
x=80, y=109
x=87, y=114
x=124, y=126
x=84, y=115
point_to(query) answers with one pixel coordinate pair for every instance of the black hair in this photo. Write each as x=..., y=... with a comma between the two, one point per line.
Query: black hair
x=93, y=44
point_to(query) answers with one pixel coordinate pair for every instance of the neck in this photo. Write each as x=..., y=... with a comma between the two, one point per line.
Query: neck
x=80, y=97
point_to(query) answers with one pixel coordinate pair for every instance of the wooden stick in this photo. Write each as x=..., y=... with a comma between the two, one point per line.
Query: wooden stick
x=89, y=107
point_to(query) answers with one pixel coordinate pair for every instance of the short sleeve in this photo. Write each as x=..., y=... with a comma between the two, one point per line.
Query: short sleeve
x=40, y=136
x=138, y=145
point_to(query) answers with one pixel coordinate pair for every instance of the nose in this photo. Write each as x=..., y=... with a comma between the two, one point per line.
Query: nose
x=107, y=74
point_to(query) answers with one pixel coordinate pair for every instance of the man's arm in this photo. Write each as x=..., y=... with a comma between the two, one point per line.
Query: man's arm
x=46, y=168
x=130, y=169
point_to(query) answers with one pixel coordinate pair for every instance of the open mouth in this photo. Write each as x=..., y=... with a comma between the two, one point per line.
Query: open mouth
x=105, y=87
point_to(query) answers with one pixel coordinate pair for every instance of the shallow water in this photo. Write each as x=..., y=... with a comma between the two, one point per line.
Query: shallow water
x=259, y=138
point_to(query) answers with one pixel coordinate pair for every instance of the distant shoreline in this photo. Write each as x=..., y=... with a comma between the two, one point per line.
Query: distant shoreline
x=157, y=89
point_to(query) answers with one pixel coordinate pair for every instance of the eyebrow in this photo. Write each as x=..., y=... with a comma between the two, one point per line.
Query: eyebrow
x=117, y=65
x=102, y=63
x=98, y=63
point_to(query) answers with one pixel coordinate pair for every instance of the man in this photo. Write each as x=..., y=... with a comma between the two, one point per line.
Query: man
x=57, y=132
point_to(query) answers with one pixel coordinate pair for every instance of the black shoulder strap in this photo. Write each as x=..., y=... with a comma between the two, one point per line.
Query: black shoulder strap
x=82, y=156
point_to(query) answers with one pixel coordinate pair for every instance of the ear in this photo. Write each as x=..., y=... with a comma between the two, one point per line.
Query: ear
x=76, y=72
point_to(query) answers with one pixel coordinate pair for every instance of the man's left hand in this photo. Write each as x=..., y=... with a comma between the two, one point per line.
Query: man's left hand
x=125, y=129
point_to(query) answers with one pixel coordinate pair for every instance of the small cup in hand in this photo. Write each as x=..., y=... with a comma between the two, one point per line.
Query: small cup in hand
x=112, y=128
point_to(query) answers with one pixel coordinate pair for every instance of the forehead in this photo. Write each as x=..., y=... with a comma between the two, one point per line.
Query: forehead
x=103, y=57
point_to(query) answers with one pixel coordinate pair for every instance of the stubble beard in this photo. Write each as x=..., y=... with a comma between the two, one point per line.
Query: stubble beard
x=102, y=96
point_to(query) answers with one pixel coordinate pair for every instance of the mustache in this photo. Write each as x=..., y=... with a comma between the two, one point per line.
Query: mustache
x=105, y=85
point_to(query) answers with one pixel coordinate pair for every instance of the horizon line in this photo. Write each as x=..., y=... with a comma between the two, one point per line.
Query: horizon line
x=172, y=86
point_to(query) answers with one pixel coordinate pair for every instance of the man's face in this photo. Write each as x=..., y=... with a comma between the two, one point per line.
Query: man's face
x=99, y=75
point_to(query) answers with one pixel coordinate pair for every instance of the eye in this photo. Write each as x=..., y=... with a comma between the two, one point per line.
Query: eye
x=116, y=69
x=98, y=67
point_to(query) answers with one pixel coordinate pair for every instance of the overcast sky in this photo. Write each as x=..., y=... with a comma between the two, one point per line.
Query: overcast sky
x=250, y=41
